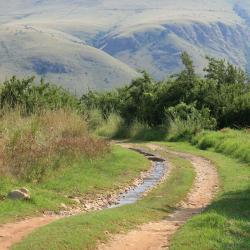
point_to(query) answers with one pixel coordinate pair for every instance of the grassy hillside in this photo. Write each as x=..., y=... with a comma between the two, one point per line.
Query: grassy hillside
x=81, y=39
x=63, y=59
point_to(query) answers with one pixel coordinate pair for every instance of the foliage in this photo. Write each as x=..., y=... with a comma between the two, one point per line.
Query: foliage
x=221, y=97
x=34, y=97
x=110, y=127
x=32, y=145
x=234, y=143
x=187, y=120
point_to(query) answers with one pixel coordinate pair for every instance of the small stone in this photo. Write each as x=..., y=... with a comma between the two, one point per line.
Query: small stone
x=25, y=190
x=18, y=195
x=87, y=206
x=63, y=206
x=76, y=201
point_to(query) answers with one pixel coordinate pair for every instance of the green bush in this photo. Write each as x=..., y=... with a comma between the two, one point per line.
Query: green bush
x=110, y=127
x=32, y=97
x=188, y=121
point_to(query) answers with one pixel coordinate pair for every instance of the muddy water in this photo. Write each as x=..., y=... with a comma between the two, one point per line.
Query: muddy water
x=153, y=178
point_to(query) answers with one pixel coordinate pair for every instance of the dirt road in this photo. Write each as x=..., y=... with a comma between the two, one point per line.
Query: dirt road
x=156, y=236
x=151, y=236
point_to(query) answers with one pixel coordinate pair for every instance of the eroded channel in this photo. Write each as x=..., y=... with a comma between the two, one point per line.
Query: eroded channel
x=154, y=177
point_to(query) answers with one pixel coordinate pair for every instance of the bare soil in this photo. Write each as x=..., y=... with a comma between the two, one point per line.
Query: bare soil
x=150, y=236
x=14, y=232
x=154, y=236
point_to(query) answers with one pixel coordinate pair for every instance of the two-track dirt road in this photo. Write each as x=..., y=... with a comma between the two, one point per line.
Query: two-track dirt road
x=152, y=236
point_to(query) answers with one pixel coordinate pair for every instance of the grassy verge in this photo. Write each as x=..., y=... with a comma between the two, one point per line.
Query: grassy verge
x=85, y=231
x=235, y=143
x=226, y=222
x=79, y=176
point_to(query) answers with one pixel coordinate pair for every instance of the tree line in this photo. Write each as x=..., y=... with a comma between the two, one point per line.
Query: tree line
x=220, y=98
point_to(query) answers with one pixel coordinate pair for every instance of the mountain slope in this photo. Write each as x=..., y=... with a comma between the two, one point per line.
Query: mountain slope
x=62, y=59
x=57, y=38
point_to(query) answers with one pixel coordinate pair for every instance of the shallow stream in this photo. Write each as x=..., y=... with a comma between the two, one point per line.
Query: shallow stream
x=151, y=180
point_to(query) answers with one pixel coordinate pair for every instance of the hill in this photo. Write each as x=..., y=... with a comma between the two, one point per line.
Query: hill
x=75, y=42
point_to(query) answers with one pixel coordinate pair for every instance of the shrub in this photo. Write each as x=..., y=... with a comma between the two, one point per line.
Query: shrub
x=34, y=97
x=35, y=144
x=111, y=127
x=188, y=121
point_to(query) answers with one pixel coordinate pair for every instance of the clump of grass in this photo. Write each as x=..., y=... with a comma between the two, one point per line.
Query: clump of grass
x=182, y=130
x=234, y=143
x=110, y=127
x=114, y=127
x=33, y=144
x=143, y=132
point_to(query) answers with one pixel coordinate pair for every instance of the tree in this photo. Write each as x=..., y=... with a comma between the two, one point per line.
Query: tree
x=224, y=73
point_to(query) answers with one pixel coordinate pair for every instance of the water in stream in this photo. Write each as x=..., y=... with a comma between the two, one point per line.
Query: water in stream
x=153, y=178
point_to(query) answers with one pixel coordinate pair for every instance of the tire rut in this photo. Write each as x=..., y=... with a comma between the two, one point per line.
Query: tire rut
x=154, y=236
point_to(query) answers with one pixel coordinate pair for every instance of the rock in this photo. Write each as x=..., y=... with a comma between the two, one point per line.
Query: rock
x=63, y=206
x=87, y=206
x=18, y=195
x=76, y=201
x=24, y=190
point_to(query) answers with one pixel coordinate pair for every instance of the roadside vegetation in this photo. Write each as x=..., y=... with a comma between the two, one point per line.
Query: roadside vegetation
x=183, y=105
x=210, y=113
x=225, y=224
x=76, y=177
x=232, y=143
x=54, y=156
x=88, y=230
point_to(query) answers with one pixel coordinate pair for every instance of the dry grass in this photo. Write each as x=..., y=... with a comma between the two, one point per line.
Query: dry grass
x=31, y=145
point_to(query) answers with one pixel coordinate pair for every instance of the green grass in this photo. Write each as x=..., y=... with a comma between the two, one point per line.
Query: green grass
x=81, y=177
x=226, y=222
x=85, y=231
x=115, y=128
x=235, y=143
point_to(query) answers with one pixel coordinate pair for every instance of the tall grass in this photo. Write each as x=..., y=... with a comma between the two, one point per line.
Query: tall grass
x=32, y=145
x=114, y=127
x=234, y=143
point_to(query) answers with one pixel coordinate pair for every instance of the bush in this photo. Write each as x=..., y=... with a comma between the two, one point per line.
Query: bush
x=32, y=97
x=187, y=121
x=34, y=145
x=110, y=127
